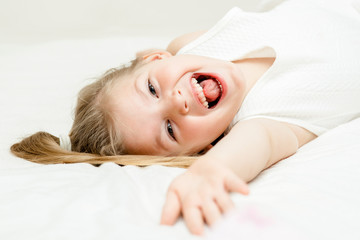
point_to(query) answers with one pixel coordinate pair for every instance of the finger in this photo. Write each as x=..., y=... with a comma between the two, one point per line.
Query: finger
x=224, y=202
x=211, y=211
x=194, y=220
x=171, y=210
x=234, y=184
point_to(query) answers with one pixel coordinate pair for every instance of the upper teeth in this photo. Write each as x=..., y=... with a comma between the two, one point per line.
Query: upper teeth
x=200, y=92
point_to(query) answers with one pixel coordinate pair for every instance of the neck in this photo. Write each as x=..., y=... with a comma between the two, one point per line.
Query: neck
x=253, y=69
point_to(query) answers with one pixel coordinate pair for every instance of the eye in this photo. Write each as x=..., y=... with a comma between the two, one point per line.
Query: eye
x=170, y=130
x=152, y=89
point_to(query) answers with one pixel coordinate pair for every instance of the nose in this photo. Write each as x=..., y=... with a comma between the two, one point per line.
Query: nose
x=178, y=102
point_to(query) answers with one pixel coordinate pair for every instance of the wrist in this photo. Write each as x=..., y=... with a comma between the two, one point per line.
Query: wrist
x=206, y=164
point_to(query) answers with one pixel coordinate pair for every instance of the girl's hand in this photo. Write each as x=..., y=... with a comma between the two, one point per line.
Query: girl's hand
x=201, y=194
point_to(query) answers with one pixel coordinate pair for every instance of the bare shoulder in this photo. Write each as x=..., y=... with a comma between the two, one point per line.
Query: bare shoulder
x=278, y=128
x=303, y=135
x=283, y=138
x=176, y=44
x=283, y=131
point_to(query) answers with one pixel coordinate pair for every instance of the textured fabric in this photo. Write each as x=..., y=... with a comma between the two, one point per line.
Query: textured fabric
x=315, y=79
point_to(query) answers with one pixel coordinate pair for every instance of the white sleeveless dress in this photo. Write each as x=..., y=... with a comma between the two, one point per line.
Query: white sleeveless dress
x=315, y=80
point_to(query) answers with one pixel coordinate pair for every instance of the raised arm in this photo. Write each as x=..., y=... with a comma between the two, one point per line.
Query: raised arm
x=202, y=192
x=176, y=44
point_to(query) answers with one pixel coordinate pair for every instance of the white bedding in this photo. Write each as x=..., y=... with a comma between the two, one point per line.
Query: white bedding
x=314, y=194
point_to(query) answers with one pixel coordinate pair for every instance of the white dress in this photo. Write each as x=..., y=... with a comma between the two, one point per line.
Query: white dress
x=315, y=80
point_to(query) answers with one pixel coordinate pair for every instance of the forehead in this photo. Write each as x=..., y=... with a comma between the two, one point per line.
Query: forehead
x=133, y=117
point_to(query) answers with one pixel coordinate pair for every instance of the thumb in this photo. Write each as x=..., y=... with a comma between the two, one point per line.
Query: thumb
x=235, y=184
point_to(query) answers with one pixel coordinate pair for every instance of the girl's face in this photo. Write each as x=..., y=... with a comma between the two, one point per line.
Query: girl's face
x=158, y=109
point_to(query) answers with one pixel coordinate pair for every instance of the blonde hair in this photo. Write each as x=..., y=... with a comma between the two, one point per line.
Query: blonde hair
x=93, y=137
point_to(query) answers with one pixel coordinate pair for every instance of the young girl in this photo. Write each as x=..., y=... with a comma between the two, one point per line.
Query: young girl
x=227, y=103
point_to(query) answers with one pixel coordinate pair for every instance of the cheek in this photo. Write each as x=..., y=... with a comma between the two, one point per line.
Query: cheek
x=203, y=132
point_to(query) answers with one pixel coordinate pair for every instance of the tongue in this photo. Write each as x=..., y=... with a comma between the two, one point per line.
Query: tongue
x=211, y=89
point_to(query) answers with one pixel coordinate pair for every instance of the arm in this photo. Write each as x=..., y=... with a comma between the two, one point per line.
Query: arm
x=176, y=44
x=254, y=145
x=250, y=147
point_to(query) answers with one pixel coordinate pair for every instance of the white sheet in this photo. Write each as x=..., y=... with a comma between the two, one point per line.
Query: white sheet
x=315, y=193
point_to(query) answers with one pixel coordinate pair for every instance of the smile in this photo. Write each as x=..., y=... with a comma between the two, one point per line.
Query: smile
x=208, y=89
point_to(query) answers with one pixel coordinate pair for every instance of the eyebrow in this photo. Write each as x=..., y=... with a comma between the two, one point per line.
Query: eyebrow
x=140, y=91
x=138, y=87
x=160, y=143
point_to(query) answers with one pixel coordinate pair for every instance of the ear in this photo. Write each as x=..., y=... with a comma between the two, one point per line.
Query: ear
x=153, y=54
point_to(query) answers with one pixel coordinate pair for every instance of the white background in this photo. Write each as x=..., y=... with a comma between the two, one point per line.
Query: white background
x=32, y=21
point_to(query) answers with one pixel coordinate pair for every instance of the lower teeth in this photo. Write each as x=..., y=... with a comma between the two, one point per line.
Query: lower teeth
x=202, y=97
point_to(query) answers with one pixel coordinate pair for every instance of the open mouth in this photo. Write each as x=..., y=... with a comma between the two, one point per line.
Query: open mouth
x=208, y=89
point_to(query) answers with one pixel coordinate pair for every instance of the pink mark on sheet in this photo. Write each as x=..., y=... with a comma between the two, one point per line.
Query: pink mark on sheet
x=251, y=223
x=252, y=215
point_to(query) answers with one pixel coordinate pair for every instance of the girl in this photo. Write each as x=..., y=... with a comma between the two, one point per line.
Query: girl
x=227, y=103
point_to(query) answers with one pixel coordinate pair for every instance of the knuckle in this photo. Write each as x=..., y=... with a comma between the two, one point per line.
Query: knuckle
x=191, y=201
